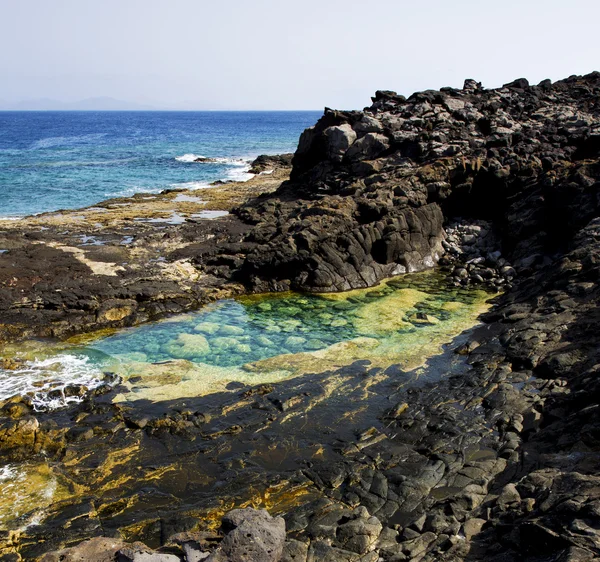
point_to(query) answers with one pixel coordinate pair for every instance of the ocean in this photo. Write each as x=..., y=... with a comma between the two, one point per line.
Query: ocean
x=52, y=160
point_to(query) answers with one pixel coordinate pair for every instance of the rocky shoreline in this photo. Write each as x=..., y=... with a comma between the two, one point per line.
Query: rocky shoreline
x=496, y=459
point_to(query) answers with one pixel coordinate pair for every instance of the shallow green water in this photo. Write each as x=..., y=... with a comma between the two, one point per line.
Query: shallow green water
x=255, y=339
x=252, y=340
x=236, y=333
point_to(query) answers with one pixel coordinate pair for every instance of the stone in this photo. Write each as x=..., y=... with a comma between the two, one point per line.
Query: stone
x=508, y=496
x=320, y=551
x=294, y=551
x=252, y=536
x=142, y=554
x=207, y=328
x=294, y=341
x=358, y=535
x=231, y=330
x=419, y=545
x=368, y=147
x=264, y=341
x=98, y=549
x=268, y=163
x=339, y=139
x=520, y=83
x=471, y=85
x=454, y=104
x=368, y=124
x=192, y=553
x=472, y=526
x=224, y=342
x=188, y=346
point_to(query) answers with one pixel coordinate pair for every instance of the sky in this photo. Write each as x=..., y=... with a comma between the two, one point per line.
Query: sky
x=276, y=54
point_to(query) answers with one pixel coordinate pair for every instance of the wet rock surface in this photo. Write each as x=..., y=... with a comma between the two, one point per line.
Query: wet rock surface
x=492, y=453
x=120, y=262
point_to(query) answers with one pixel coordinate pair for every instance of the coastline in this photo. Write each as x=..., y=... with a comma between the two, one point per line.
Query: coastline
x=490, y=452
x=119, y=238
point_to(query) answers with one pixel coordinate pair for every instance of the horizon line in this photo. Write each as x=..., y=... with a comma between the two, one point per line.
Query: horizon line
x=151, y=110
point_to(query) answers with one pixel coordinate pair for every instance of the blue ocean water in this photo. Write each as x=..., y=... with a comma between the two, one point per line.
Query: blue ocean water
x=64, y=160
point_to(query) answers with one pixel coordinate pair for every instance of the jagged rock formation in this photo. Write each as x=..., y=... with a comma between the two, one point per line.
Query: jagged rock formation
x=367, y=198
x=369, y=189
x=268, y=163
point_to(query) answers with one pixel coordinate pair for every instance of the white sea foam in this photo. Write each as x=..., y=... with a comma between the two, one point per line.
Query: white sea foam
x=7, y=472
x=243, y=162
x=133, y=190
x=240, y=173
x=44, y=381
x=191, y=185
x=188, y=157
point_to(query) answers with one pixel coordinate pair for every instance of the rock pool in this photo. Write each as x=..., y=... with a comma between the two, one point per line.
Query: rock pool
x=258, y=339
x=266, y=338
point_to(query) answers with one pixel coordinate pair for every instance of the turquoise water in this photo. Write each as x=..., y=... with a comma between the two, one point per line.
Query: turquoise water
x=66, y=160
x=252, y=340
x=232, y=333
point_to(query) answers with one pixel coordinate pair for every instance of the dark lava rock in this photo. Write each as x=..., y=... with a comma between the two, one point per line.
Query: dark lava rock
x=266, y=163
x=497, y=457
x=252, y=536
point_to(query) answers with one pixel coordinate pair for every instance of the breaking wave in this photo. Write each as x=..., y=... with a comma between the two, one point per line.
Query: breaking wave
x=51, y=383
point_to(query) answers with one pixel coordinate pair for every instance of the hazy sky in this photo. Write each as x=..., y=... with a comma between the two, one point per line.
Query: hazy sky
x=277, y=54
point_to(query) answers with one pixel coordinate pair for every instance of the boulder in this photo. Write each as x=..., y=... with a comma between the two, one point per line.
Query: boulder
x=252, y=536
x=339, y=139
x=98, y=549
x=368, y=147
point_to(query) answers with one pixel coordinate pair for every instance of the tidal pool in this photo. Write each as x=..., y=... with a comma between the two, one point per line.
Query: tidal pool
x=266, y=338
x=254, y=339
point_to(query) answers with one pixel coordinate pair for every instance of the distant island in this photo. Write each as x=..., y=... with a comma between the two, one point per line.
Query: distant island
x=102, y=103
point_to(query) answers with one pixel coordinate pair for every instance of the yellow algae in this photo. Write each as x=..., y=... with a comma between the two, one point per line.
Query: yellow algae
x=408, y=349
x=29, y=489
x=266, y=298
x=387, y=314
x=334, y=356
x=106, y=477
x=353, y=293
x=112, y=508
x=84, y=339
x=453, y=306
